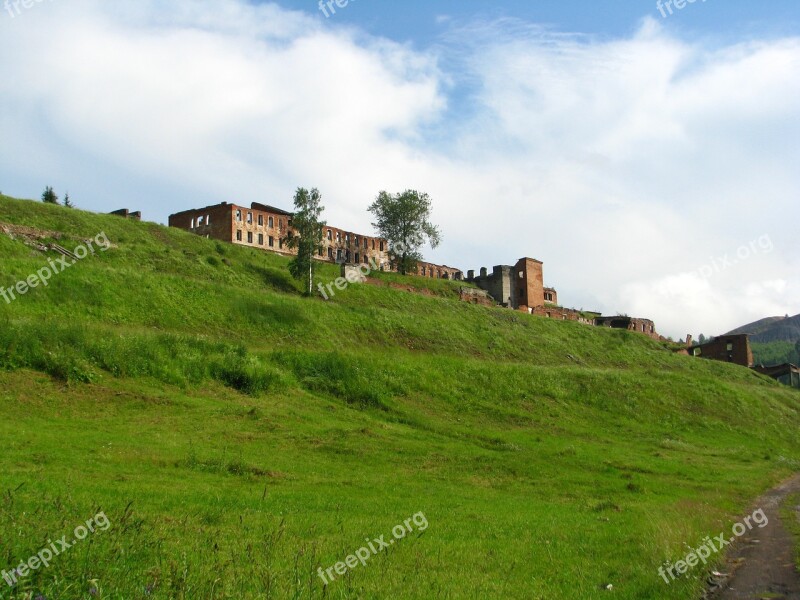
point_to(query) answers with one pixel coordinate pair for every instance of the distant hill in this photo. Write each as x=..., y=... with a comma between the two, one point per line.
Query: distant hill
x=774, y=339
x=772, y=329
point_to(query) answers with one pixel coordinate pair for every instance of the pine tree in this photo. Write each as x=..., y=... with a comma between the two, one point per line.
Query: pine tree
x=67, y=202
x=49, y=196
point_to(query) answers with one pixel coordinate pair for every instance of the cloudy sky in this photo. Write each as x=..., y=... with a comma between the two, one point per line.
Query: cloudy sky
x=651, y=161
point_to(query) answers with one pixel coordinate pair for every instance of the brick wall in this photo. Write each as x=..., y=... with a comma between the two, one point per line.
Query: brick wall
x=727, y=348
x=265, y=227
x=643, y=326
x=347, y=246
x=425, y=269
x=211, y=221
x=557, y=312
x=529, y=281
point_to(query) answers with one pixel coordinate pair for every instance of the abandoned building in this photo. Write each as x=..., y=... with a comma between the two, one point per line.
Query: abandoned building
x=127, y=214
x=645, y=326
x=726, y=348
x=736, y=349
x=425, y=269
x=787, y=374
x=267, y=228
x=521, y=287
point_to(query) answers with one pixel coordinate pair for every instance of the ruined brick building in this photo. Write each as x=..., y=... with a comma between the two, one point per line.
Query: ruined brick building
x=726, y=348
x=645, y=326
x=266, y=227
x=519, y=287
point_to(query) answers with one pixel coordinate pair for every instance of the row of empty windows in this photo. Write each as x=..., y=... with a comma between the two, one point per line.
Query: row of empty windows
x=271, y=224
x=201, y=220
x=436, y=273
x=341, y=255
x=356, y=240
x=270, y=240
x=344, y=256
x=260, y=220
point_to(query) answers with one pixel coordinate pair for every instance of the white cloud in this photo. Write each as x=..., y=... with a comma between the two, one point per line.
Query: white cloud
x=620, y=163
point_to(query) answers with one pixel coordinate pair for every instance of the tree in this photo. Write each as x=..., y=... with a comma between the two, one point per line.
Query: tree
x=67, y=202
x=49, y=196
x=702, y=339
x=308, y=241
x=404, y=220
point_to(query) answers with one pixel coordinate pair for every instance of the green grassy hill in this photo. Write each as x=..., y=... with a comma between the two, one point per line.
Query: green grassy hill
x=239, y=436
x=773, y=329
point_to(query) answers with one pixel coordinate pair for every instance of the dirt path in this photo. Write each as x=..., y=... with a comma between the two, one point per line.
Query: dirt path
x=762, y=563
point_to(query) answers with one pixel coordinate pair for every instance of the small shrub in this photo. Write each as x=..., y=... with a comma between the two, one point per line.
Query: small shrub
x=335, y=374
x=246, y=374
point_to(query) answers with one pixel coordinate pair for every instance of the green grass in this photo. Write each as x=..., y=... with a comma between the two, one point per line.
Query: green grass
x=239, y=436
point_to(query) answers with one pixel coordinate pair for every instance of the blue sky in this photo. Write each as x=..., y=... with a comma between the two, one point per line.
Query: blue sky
x=421, y=22
x=650, y=162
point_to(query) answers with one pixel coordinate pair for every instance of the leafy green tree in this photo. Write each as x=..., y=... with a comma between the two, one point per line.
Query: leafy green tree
x=308, y=241
x=797, y=352
x=49, y=196
x=404, y=220
x=67, y=201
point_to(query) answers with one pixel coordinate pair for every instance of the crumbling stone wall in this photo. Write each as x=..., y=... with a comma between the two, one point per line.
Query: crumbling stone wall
x=127, y=214
x=562, y=314
x=340, y=245
x=476, y=296
x=644, y=326
x=727, y=348
x=499, y=284
x=513, y=287
x=426, y=269
x=530, y=282
x=214, y=222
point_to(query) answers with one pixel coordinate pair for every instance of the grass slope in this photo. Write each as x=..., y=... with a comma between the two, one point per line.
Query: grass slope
x=239, y=436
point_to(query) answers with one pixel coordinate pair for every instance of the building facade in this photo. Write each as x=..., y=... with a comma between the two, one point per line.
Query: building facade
x=425, y=269
x=726, y=348
x=520, y=287
x=267, y=228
